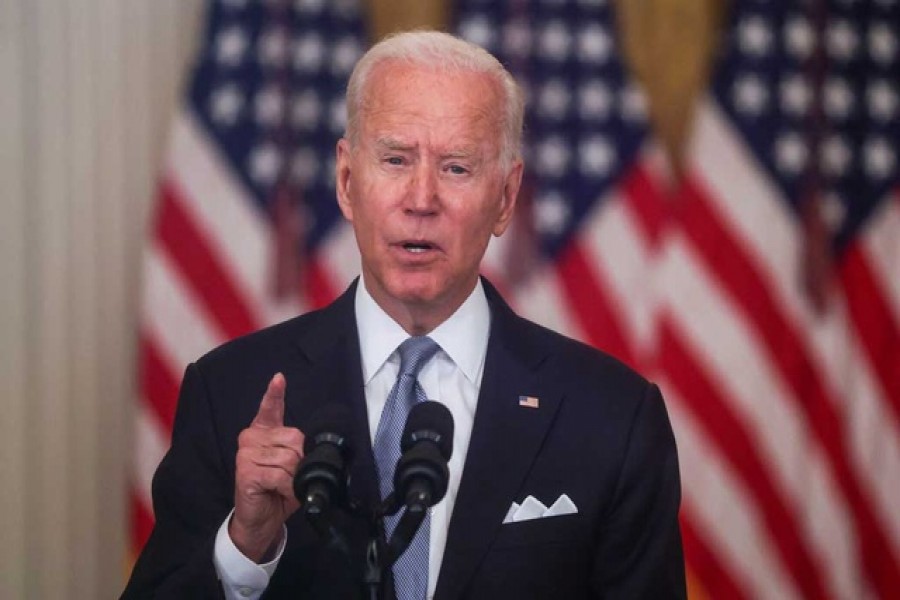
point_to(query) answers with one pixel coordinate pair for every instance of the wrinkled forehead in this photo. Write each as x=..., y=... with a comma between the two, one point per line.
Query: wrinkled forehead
x=435, y=95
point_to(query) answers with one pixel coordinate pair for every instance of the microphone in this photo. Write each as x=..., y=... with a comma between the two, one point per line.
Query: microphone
x=421, y=476
x=420, y=480
x=321, y=479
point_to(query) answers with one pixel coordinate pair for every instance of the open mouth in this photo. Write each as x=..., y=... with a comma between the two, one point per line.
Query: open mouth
x=417, y=247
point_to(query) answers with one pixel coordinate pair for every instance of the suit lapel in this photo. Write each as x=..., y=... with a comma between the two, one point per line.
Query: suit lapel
x=334, y=374
x=505, y=439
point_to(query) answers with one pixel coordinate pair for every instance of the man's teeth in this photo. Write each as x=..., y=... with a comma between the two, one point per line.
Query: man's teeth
x=417, y=248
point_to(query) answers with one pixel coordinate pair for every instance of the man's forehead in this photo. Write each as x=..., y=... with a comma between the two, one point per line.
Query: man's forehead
x=411, y=85
x=403, y=100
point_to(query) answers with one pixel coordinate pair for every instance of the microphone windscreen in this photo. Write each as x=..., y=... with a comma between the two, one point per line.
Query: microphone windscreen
x=431, y=420
x=332, y=419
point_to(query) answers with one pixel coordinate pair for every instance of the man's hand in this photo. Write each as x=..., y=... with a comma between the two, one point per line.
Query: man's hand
x=267, y=458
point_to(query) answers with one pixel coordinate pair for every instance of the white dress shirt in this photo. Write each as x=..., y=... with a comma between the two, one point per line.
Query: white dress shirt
x=452, y=377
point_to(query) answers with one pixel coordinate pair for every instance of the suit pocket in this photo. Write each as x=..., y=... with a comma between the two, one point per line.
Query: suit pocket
x=546, y=530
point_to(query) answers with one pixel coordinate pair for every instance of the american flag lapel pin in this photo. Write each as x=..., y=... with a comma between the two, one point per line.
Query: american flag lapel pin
x=529, y=402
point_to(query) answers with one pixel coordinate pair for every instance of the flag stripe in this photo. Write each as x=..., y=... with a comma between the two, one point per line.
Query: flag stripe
x=234, y=228
x=646, y=199
x=154, y=440
x=721, y=507
x=731, y=438
x=141, y=519
x=334, y=265
x=591, y=304
x=881, y=241
x=173, y=317
x=319, y=284
x=705, y=562
x=616, y=243
x=873, y=436
x=157, y=381
x=203, y=271
x=541, y=299
x=739, y=277
x=873, y=321
x=740, y=369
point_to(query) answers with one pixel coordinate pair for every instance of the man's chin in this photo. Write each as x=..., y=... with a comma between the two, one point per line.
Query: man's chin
x=416, y=296
x=422, y=291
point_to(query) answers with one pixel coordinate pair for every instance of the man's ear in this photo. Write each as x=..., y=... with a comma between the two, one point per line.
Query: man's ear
x=342, y=178
x=511, y=185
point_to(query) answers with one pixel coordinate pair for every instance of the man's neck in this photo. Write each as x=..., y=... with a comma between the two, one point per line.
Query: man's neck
x=418, y=318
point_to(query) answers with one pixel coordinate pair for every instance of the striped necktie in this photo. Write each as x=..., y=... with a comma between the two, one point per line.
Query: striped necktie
x=411, y=569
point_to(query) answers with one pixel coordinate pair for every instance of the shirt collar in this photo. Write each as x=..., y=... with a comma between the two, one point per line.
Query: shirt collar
x=463, y=336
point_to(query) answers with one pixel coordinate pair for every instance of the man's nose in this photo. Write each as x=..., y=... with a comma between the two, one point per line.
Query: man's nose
x=423, y=196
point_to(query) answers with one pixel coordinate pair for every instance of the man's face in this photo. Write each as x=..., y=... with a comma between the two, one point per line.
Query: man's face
x=424, y=188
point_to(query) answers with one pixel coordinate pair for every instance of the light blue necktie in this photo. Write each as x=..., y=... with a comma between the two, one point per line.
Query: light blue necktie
x=411, y=569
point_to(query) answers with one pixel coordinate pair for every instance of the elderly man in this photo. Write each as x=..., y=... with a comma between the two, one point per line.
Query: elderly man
x=428, y=170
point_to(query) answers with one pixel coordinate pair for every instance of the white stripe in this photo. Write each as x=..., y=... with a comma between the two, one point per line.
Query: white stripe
x=339, y=254
x=656, y=162
x=221, y=206
x=622, y=260
x=874, y=439
x=875, y=429
x=753, y=208
x=542, y=300
x=880, y=242
x=171, y=314
x=721, y=509
x=495, y=261
x=151, y=441
x=728, y=349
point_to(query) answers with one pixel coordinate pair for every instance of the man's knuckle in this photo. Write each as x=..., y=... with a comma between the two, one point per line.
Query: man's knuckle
x=294, y=438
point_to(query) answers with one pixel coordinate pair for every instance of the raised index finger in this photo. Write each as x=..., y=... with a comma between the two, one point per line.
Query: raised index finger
x=271, y=408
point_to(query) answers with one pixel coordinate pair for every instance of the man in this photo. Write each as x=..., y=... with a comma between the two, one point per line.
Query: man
x=428, y=170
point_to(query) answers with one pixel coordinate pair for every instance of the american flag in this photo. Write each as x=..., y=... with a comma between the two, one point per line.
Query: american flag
x=247, y=231
x=786, y=410
x=781, y=375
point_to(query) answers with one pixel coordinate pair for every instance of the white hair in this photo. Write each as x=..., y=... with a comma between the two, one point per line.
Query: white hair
x=434, y=49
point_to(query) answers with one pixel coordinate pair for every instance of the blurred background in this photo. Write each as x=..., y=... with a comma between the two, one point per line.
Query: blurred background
x=712, y=195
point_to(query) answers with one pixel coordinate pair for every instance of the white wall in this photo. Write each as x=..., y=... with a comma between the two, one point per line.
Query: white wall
x=87, y=89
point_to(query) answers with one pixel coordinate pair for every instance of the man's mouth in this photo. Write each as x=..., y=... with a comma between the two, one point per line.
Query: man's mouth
x=417, y=247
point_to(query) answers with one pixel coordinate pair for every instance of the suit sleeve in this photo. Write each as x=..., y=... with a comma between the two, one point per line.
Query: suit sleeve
x=640, y=553
x=193, y=493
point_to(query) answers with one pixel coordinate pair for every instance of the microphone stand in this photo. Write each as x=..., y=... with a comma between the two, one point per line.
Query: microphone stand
x=381, y=556
x=318, y=516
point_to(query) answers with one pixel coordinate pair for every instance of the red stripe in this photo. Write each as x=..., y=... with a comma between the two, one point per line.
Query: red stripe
x=320, y=288
x=874, y=322
x=591, y=304
x=141, y=521
x=186, y=243
x=738, y=276
x=646, y=200
x=705, y=564
x=158, y=386
x=725, y=429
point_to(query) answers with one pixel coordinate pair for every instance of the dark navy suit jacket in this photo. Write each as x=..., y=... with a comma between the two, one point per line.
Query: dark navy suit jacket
x=601, y=435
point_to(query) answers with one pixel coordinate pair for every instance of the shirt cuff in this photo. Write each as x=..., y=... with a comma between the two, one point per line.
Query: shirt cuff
x=242, y=579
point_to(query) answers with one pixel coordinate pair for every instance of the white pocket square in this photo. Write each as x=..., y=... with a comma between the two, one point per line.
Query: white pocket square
x=532, y=508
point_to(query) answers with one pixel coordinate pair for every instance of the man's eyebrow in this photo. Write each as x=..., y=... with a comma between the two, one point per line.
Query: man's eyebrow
x=466, y=152
x=393, y=144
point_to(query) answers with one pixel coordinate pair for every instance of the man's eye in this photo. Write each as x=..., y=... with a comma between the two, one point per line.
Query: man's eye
x=458, y=170
x=394, y=160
